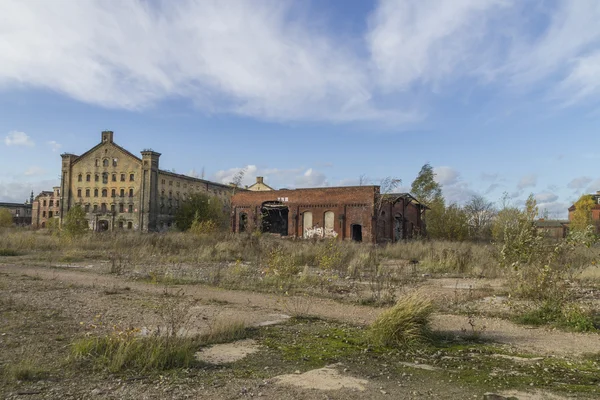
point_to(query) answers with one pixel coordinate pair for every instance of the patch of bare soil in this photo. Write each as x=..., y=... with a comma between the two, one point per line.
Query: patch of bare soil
x=257, y=308
x=327, y=378
x=228, y=352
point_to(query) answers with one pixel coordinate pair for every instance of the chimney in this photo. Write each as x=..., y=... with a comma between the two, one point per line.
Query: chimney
x=107, y=136
x=259, y=179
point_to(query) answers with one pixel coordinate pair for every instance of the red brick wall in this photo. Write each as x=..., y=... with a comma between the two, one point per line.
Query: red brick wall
x=355, y=204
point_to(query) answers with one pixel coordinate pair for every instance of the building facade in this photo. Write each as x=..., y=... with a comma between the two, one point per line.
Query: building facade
x=119, y=190
x=259, y=185
x=356, y=213
x=45, y=206
x=21, y=212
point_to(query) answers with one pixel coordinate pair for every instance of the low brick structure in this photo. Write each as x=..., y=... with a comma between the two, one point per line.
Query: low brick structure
x=358, y=213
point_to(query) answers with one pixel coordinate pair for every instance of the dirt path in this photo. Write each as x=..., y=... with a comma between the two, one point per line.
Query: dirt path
x=259, y=307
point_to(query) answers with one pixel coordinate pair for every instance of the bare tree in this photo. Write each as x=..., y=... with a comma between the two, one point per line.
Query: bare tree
x=363, y=180
x=480, y=215
x=237, y=179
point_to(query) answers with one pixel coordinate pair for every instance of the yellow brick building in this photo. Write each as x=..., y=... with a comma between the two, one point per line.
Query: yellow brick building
x=119, y=190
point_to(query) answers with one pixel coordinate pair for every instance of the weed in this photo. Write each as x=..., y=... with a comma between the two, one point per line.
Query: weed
x=224, y=331
x=405, y=324
x=26, y=370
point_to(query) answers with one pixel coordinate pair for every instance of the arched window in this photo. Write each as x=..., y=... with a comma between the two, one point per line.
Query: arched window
x=78, y=192
x=105, y=177
x=131, y=177
x=115, y=161
x=307, y=224
x=105, y=162
x=113, y=192
x=329, y=218
x=130, y=192
x=87, y=192
x=88, y=178
x=95, y=192
x=79, y=178
x=114, y=177
x=104, y=193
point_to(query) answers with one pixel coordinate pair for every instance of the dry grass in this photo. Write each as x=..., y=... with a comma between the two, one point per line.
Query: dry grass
x=405, y=324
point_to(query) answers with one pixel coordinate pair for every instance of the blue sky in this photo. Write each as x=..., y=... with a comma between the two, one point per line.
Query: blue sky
x=498, y=95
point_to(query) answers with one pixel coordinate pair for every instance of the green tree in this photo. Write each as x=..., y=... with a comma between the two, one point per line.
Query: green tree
x=75, y=223
x=6, y=218
x=199, y=208
x=448, y=223
x=582, y=216
x=429, y=192
x=425, y=188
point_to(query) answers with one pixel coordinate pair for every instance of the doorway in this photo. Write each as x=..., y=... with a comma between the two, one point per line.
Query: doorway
x=274, y=218
x=398, y=228
x=102, y=225
x=356, y=232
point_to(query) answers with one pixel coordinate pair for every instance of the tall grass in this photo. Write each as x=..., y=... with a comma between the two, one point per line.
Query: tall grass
x=405, y=324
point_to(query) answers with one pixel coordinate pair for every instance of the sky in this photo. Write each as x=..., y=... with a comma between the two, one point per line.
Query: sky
x=497, y=95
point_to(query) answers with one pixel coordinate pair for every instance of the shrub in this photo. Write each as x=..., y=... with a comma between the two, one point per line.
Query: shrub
x=8, y=253
x=405, y=324
x=75, y=223
x=6, y=218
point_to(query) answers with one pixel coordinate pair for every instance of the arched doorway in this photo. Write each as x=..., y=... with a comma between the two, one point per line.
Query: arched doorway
x=102, y=225
x=243, y=222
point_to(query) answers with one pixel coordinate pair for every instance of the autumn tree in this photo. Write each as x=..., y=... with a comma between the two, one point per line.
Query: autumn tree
x=582, y=216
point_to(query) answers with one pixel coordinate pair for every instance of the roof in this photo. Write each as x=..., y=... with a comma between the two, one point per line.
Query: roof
x=550, y=223
x=259, y=183
x=412, y=198
x=196, y=179
x=14, y=205
x=96, y=147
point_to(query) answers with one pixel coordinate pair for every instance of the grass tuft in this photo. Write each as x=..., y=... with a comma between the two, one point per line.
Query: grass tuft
x=8, y=253
x=405, y=324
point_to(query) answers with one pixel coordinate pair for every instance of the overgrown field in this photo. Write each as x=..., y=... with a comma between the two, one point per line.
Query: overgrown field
x=126, y=314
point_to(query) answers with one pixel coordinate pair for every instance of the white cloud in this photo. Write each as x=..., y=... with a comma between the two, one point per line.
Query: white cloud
x=416, y=41
x=446, y=175
x=16, y=138
x=34, y=170
x=579, y=183
x=260, y=59
x=311, y=178
x=438, y=42
x=54, y=145
x=18, y=192
x=546, y=197
x=527, y=181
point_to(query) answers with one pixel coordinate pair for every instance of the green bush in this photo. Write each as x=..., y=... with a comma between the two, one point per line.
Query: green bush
x=8, y=253
x=405, y=324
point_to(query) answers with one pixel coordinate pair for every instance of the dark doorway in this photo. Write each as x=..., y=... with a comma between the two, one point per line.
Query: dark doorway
x=102, y=226
x=398, y=228
x=356, y=232
x=274, y=218
x=243, y=222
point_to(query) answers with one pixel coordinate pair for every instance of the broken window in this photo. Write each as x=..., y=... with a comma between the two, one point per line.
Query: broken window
x=86, y=208
x=78, y=192
x=122, y=193
x=105, y=162
x=131, y=177
x=121, y=207
x=274, y=218
x=104, y=193
x=113, y=192
x=130, y=192
x=105, y=177
x=114, y=177
x=115, y=161
x=79, y=178
x=88, y=178
x=122, y=177
x=95, y=192
x=129, y=225
x=356, y=230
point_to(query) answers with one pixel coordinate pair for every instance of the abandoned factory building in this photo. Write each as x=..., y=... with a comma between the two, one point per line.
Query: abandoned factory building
x=358, y=213
x=119, y=190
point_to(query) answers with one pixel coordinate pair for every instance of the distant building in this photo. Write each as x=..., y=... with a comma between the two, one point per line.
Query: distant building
x=46, y=205
x=595, y=210
x=259, y=186
x=21, y=212
x=552, y=229
x=356, y=213
x=119, y=190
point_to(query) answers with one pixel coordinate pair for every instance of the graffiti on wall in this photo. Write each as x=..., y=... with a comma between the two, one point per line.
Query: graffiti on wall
x=319, y=232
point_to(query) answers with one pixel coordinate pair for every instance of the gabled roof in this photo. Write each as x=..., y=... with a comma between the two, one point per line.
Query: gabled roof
x=412, y=199
x=259, y=183
x=96, y=147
